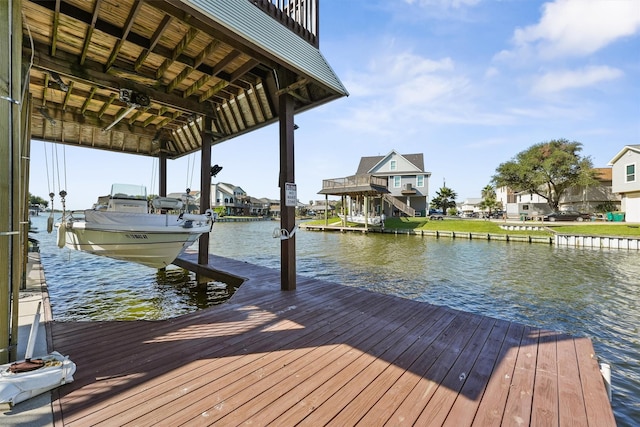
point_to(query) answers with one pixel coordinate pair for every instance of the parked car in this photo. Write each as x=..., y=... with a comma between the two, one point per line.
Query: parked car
x=566, y=216
x=436, y=217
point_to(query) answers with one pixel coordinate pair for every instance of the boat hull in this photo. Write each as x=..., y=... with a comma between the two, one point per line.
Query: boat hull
x=147, y=239
x=156, y=249
x=361, y=219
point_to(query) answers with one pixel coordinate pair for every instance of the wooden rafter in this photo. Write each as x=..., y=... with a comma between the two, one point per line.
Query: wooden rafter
x=93, y=75
x=186, y=64
x=67, y=95
x=204, y=54
x=125, y=31
x=87, y=101
x=177, y=51
x=150, y=45
x=56, y=22
x=164, y=24
x=92, y=27
x=106, y=105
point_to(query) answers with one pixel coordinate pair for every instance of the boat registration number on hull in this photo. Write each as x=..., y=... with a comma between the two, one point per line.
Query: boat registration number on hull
x=137, y=236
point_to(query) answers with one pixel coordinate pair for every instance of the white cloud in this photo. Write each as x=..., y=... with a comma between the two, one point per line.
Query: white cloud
x=578, y=27
x=400, y=88
x=557, y=81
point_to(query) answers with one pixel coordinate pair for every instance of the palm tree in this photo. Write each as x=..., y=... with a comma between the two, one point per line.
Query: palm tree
x=489, y=199
x=445, y=199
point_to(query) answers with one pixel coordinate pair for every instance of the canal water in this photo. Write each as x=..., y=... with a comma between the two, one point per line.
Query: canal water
x=585, y=292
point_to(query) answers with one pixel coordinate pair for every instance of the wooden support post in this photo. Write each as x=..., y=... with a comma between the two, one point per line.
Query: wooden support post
x=162, y=171
x=326, y=210
x=287, y=175
x=205, y=187
x=345, y=209
x=10, y=140
x=366, y=212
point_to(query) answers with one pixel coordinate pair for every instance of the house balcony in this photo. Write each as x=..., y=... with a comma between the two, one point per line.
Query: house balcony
x=299, y=16
x=408, y=190
x=367, y=185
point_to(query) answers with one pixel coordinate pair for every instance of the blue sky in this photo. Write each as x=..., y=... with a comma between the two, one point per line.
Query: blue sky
x=469, y=83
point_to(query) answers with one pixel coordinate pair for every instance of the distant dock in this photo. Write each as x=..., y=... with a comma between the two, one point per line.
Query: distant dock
x=436, y=233
x=243, y=218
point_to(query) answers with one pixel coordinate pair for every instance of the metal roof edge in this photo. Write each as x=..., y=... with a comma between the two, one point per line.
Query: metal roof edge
x=242, y=17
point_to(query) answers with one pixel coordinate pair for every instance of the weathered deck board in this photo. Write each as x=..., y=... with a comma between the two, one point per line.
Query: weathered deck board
x=325, y=354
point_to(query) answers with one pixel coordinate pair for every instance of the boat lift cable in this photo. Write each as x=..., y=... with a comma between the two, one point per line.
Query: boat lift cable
x=190, y=165
x=51, y=193
x=63, y=193
x=154, y=171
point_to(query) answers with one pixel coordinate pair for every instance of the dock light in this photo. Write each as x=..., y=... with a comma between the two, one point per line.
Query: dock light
x=215, y=170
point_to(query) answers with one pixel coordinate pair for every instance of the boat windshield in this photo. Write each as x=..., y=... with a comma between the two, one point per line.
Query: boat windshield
x=128, y=191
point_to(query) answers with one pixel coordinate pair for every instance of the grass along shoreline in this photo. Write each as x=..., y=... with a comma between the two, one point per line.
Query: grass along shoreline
x=493, y=226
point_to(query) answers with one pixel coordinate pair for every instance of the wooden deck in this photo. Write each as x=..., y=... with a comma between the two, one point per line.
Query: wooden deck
x=325, y=354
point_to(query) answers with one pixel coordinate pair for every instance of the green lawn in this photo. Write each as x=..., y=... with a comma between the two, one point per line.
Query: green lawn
x=602, y=229
x=481, y=226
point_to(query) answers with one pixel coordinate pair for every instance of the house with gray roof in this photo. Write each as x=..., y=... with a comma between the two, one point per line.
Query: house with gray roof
x=394, y=184
x=626, y=181
x=231, y=197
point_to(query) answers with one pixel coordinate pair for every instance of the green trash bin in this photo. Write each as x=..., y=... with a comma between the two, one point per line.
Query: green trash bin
x=609, y=216
x=618, y=216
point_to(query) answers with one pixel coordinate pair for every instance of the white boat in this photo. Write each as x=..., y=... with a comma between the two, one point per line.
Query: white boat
x=125, y=229
x=361, y=219
x=23, y=380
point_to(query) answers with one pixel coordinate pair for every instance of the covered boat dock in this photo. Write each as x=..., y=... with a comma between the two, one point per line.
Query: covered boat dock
x=166, y=78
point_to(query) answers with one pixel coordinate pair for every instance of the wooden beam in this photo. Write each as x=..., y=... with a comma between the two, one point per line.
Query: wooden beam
x=182, y=45
x=88, y=100
x=11, y=104
x=155, y=38
x=92, y=26
x=205, y=188
x=147, y=45
x=287, y=175
x=54, y=28
x=162, y=173
x=125, y=32
x=91, y=74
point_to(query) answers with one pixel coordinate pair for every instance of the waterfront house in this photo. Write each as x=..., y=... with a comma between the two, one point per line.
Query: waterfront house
x=319, y=207
x=258, y=207
x=232, y=198
x=625, y=181
x=592, y=198
x=470, y=206
x=589, y=198
x=395, y=184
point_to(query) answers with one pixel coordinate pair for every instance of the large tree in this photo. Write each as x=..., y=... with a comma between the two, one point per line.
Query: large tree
x=547, y=169
x=445, y=199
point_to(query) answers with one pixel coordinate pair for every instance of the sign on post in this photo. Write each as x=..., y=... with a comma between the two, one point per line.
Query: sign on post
x=291, y=194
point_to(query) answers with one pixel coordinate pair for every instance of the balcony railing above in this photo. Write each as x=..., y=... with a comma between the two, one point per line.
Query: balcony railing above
x=300, y=16
x=363, y=184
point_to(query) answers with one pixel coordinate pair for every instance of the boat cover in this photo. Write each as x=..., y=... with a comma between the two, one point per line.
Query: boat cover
x=17, y=387
x=131, y=219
